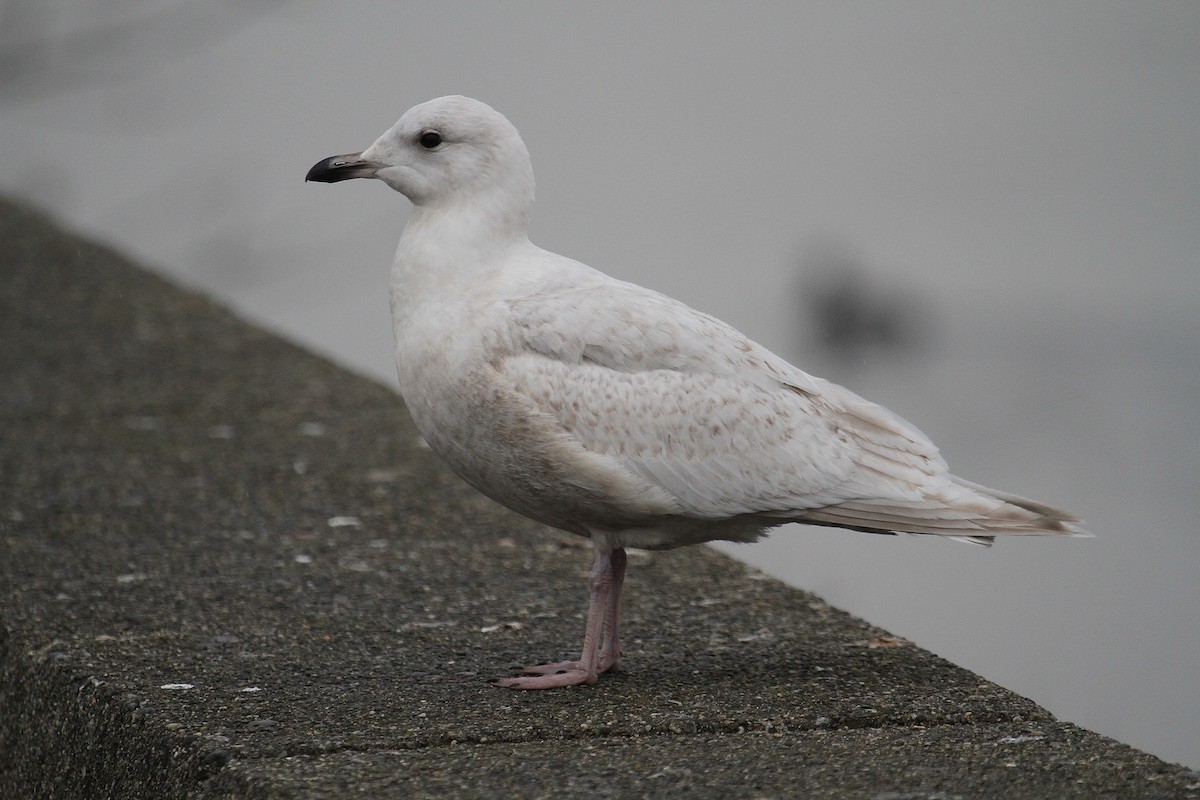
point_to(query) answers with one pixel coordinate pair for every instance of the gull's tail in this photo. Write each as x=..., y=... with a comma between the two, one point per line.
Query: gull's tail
x=958, y=510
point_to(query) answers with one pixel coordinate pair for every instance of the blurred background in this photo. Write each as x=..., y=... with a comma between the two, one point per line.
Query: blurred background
x=985, y=216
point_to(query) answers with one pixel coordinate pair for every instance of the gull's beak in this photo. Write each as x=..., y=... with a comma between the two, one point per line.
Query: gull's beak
x=342, y=168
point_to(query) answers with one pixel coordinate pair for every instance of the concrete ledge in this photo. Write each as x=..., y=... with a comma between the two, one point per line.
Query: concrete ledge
x=229, y=569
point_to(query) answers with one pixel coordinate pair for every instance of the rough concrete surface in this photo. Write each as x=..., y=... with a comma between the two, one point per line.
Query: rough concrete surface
x=229, y=569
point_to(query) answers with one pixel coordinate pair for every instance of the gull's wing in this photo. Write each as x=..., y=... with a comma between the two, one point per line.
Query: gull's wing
x=694, y=407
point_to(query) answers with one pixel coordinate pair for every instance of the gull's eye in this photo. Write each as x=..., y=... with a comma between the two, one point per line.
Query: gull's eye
x=430, y=139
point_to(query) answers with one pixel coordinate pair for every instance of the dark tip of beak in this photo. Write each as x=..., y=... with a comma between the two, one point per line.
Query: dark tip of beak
x=342, y=168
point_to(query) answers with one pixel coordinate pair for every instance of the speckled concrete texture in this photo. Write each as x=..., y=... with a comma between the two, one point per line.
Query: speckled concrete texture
x=228, y=568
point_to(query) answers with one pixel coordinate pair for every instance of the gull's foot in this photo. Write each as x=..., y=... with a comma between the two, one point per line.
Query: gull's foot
x=554, y=675
x=553, y=680
x=553, y=668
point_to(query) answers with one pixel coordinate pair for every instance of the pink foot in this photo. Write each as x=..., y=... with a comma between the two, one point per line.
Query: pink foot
x=571, y=677
x=552, y=669
x=552, y=676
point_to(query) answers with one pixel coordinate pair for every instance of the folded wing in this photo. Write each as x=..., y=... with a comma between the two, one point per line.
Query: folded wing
x=725, y=427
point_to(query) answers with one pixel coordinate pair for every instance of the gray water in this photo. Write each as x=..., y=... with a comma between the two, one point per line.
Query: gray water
x=1021, y=181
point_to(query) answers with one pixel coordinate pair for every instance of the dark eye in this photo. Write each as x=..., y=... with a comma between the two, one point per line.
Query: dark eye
x=430, y=139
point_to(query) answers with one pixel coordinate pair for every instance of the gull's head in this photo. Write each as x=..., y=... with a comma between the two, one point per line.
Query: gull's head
x=446, y=151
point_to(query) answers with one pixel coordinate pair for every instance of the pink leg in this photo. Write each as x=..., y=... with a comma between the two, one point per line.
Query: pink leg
x=610, y=651
x=604, y=609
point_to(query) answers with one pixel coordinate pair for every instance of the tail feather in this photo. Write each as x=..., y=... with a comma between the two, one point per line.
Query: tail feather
x=959, y=509
x=1059, y=521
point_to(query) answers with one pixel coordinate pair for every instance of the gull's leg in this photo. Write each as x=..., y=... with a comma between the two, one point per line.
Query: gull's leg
x=610, y=650
x=601, y=606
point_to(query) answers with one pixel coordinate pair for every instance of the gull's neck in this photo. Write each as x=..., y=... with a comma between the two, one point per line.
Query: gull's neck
x=451, y=245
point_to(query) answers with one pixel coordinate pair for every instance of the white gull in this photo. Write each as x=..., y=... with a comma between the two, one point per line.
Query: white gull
x=612, y=411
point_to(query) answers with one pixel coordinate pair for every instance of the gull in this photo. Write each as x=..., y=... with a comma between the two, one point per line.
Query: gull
x=616, y=413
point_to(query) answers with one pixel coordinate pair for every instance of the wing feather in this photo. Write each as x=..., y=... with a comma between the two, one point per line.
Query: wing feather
x=692, y=407
x=690, y=404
